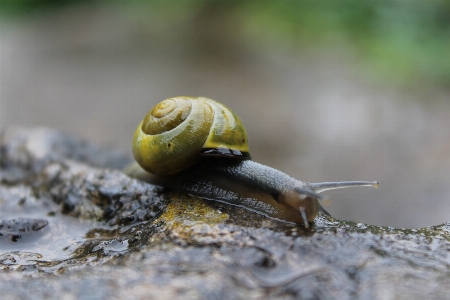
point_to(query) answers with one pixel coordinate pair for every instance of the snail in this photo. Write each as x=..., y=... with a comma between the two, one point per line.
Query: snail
x=199, y=146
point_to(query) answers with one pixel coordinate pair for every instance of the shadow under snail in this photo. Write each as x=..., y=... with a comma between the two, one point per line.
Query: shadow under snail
x=199, y=146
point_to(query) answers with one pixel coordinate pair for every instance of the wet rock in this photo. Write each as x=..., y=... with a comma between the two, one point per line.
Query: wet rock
x=24, y=152
x=113, y=236
x=16, y=228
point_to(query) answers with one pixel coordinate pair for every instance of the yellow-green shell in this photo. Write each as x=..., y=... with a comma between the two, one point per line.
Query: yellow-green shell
x=177, y=131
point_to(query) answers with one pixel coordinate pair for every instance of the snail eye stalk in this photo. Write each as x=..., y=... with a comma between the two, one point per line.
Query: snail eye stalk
x=319, y=187
x=306, y=192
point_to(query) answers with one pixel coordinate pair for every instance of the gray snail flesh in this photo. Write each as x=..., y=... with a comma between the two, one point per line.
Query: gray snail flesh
x=227, y=174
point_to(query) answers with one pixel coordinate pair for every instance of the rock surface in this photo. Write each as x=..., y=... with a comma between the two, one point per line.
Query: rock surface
x=90, y=232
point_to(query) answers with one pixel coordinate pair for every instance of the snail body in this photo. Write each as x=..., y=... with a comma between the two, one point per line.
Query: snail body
x=206, y=154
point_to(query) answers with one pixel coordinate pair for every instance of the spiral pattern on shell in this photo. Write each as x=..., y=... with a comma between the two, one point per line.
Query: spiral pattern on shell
x=178, y=131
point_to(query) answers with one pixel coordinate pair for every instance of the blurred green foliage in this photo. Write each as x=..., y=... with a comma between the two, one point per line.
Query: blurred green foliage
x=402, y=41
x=406, y=42
x=20, y=7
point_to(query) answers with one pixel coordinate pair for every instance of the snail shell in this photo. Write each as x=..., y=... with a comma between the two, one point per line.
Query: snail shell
x=199, y=146
x=177, y=132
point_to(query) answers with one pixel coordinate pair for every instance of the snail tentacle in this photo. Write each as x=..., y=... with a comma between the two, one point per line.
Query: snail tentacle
x=305, y=219
x=325, y=186
x=305, y=192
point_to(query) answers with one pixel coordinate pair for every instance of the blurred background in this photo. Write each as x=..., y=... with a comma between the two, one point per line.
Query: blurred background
x=328, y=91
